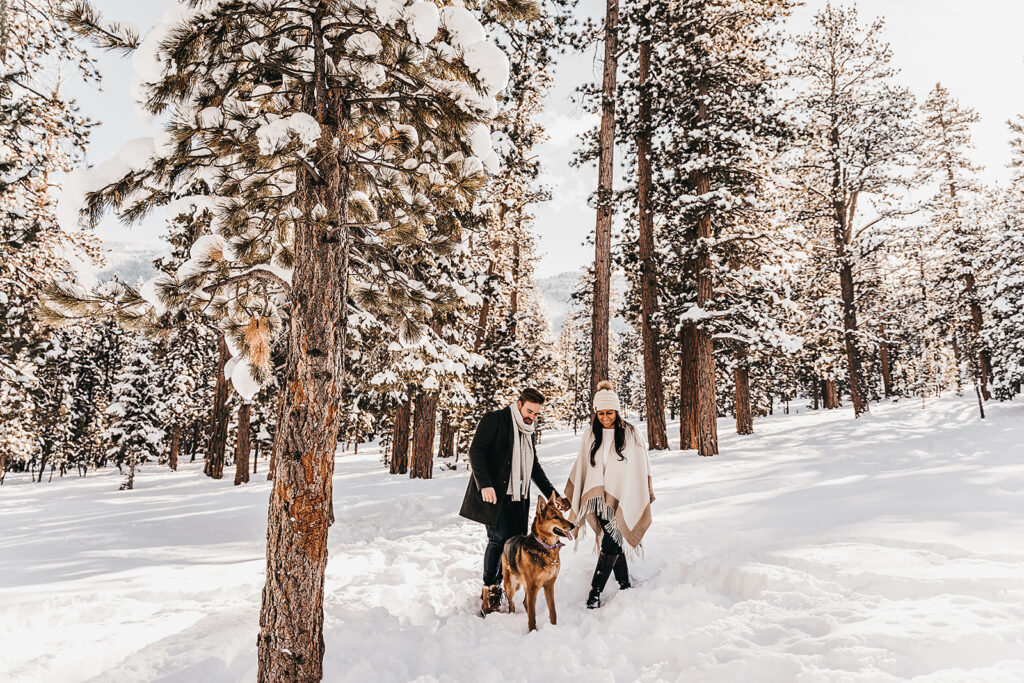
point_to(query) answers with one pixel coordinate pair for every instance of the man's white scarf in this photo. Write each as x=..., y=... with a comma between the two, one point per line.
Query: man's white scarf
x=619, y=490
x=522, y=456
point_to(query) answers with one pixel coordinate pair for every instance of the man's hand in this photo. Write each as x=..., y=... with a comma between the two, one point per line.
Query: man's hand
x=489, y=495
x=563, y=503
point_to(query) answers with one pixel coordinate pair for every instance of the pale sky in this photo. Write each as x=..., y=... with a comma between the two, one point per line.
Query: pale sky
x=974, y=49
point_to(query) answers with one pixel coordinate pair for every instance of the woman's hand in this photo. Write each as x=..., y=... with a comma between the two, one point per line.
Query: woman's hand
x=489, y=495
x=563, y=503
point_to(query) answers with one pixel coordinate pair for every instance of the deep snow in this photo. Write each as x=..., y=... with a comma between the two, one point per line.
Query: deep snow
x=819, y=549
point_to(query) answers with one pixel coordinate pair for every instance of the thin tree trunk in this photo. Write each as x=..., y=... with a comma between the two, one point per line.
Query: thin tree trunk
x=605, y=179
x=242, y=446
x=3, y=467
x=400, y=443
x=977, y=323
x=194, y=445
x=219, y=419
x=172, y=458
x=815, y=396
x=687, y=387
x=654, y=391
x=424, y=419
x=291, y=642
x=744, y=417
x=256, y=456
x=883, y=356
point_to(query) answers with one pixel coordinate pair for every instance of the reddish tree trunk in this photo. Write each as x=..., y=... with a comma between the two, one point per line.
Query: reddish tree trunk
x=219, y=419
x=291, y=642
x=400, y=443
x=687, y=387
x=654, y=391
x=172, y=457
x=446, y=447
x=423, y=422
x=605, y=179
x=242, y=446
x=831, y=395
x=744, y=417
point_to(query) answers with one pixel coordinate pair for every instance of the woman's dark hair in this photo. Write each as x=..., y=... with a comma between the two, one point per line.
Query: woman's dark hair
x=620, y=437
x=531, y=396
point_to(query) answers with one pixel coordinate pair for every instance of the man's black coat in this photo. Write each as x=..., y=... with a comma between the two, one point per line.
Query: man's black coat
x=490, y=456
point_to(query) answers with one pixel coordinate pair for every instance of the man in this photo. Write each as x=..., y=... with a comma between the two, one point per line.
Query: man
x=504, y=462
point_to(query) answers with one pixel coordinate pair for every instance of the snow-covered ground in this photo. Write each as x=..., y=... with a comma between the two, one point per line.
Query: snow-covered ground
x=819, y=549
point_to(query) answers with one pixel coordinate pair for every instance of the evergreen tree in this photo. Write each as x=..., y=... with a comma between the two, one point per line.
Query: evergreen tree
x=137, y=413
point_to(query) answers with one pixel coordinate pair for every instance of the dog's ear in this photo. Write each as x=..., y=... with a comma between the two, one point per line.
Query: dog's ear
x=551, y=500
x=540, y=503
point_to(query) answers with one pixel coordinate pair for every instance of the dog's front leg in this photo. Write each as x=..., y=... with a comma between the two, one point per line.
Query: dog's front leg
x=549, y=595
x=531, y=605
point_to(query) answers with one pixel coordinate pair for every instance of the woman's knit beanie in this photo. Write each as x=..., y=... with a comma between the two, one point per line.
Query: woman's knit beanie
x=606, y=398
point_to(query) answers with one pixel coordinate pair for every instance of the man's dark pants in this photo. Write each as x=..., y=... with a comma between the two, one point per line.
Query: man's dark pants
x=511, y=522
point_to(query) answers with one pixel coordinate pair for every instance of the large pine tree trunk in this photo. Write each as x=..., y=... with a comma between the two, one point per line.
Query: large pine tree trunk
x=605, y=178
x=654, y=391
x=424, y=418
x=242, y=446
x=744, y=416
x=172, y=457
x=219, y=419
x=687, y=386
x=291, y=642
x=400, y=443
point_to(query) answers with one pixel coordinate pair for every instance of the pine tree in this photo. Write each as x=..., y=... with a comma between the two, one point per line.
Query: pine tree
x=329, y=134
x=943, y=161
x=134, y=435
x=857, y=134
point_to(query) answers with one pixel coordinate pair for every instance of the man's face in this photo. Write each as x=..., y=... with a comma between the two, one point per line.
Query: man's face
x=529, y=411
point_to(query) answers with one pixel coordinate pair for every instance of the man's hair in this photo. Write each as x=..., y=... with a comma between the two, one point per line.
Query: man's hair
x=531, y=396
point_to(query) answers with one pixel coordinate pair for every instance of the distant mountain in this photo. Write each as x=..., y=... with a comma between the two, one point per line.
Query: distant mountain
x=130, y=262
x=556, y=290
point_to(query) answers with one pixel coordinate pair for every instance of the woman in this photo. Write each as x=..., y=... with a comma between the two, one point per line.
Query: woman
x=610, y=488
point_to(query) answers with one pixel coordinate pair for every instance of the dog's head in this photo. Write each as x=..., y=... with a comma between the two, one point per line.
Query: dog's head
x=549, y=519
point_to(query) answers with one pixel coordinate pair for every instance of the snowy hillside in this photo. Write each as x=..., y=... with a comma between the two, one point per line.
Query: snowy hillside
x=819, y=549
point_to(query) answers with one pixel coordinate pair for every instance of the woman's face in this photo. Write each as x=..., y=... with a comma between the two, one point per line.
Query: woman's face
x=607, y=418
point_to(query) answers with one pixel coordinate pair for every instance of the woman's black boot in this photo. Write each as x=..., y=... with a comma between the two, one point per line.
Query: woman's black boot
x=622, y=572
x=603, y=570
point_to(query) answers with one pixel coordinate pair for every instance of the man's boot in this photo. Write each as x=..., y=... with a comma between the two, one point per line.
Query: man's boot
x=603, y=570
x=490, y=600
x=622, y=572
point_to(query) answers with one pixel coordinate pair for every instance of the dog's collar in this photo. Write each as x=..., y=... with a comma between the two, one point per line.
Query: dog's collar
x=545, y=545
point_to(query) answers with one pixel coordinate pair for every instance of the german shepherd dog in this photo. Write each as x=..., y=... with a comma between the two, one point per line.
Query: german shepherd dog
x=531, y=561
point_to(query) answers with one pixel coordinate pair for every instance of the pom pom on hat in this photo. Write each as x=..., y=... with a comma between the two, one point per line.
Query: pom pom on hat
x=605, y=398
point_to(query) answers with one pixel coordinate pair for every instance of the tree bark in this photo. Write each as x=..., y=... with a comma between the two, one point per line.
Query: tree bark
x=446, y=447
x=654, y=390
x=423, y=422
x=744, y=417
x=400, y=443
x=219, y=419
x=687, y=387
x=242, y=446
x=172, y=458
x=291, y=643
x=883, y=356
x=831, y=395
x=605, y=179
x=816, y=394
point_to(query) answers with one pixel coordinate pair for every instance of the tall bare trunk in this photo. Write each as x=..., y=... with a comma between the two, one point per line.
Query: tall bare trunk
x=744, y=416
x=605, y=178
x=687, y=386
x=654, y=390
x=423, y=422
x=446, y=435
x=242, y=446
x=172, y=457
x=291, y=642
x=219, y=417
x=400, y=442
x=883, y=356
